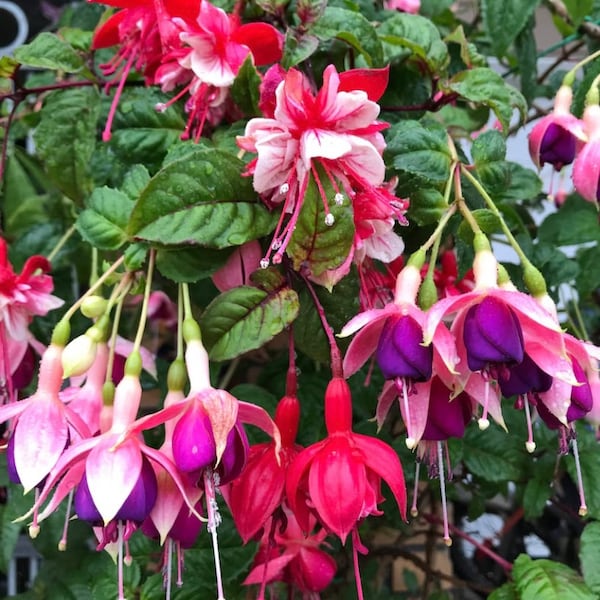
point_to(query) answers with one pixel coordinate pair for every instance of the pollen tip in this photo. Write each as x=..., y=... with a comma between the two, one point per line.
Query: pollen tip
x=160, y=107
x=264, y=263
x=106, y=135
x=583, y=511
x=34, y=531
x=62, y=546
x=530, y=447
x=448, y=541
x=411, y=443
x=329, y=220
x=483, y=424
x=414, y=512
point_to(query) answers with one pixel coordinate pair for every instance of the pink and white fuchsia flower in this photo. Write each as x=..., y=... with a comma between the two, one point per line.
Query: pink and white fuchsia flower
x=333, y=134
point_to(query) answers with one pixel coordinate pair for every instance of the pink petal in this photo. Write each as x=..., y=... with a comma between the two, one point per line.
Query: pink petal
x=112, y=473
x=259, y=417
x=557, y=399
x=272, y=571
x=41, y=435
x=372, y=81
x=384, y=402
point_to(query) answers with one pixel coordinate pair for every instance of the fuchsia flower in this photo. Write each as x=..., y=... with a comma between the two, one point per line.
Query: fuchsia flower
x=243, y=261
x=556, y=137
x=586, y=168
x=339, y=478
x=41, y=430
x=333, y=133
x=293, y=557
x=143, y=30
x=494, y=329
x=214, y=48
x=259, y=491
x=22, y=296
x=395, y=334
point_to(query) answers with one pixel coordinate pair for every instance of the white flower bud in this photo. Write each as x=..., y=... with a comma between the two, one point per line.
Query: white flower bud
x=93, y=307
x=78, y=355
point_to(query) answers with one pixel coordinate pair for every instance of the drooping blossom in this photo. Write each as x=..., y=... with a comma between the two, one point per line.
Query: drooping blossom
x=494, y=328
x=339, y=478
x=331, y=136
x=22, y=297
x=41, y=423
x=586, y=168
x=557, y=136
x=259, y=491
x=144, y=32
x=213, y=46
x=395, y=334
x=291, y=556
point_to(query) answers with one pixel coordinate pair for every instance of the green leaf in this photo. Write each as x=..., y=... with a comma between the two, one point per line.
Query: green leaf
x=526, y=50
x=588, y=279
x=314, y=244
x=298, y=47
x=575, y=222
x=187, y=265
x=489, y=147
x=245, y=318
x=48, y=51
x=525, y=184
x=406, y=35
x=200, y=199
x=468, y=51
x=353, y=28
x=420, y=151
x=588, y=555
x=140, y=133
x=103, y=223
x=8, y=66
x=535, y=579
x=485, y=218
x=578, y=10
x=484, y=86
x=427, y=206
x=508, y=591
x=244, y=89
x=491, y=455
x=66, y=137
x=135, y=180
x=503, y=21
x=538, y=491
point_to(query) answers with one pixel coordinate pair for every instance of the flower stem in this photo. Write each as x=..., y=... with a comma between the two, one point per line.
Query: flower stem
x=143, y=317
x=336, y=356
x=63, y=240
x=92, y=290
x=493, y=208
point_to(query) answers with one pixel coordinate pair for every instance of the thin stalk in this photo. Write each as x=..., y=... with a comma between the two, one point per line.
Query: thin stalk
x=492, y=206
x=93, y=288
x=187, y=303
x=144, y=316
x=63, y=240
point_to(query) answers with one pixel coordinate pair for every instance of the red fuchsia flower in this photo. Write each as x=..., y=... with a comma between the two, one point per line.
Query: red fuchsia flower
x=586, y=168
x=494, y=328
x=338, y=480
x=144, y=32
x=556, y=138
x=333, y=133
x=213, y=46
x=259, y=491
x=22, y=297
x=292, y=557
x=395, y=334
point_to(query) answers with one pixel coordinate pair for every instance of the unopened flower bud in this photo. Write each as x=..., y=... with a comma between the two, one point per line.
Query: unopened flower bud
x=93, y=307
x=78, y=355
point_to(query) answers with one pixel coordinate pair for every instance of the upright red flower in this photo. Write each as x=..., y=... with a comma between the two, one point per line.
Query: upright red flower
x=340, y=477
